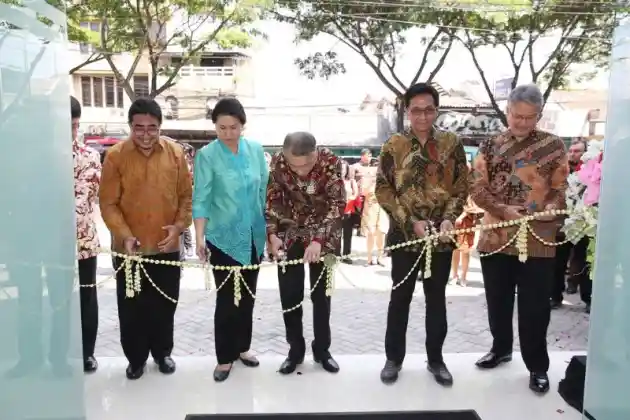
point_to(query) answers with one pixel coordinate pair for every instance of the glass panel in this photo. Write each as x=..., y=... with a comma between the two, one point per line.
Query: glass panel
x=608, y=371
x=40, y=340
x=141, y=86
x=86, y=90
x=119, y=96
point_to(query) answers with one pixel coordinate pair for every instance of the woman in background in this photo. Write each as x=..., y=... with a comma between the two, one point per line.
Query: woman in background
x=230, y=188
x=352, y=194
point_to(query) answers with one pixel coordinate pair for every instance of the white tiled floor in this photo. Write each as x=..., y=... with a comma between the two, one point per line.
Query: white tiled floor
x=496, y=395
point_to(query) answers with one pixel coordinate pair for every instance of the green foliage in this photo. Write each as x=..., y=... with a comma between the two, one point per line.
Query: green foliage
x=580, y=32
x=375, y=31
x=156, y=28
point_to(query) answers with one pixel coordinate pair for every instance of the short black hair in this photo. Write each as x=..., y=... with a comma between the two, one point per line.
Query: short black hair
x=231, y=107
x=421, y=89
x=145, y=106
x=75, y=108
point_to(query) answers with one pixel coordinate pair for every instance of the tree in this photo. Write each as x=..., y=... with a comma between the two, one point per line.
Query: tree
x=376, y=32
x=581, y=33
x=139, y=27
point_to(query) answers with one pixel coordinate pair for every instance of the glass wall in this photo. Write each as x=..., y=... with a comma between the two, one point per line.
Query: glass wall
x=40, y=358
x=608, y=371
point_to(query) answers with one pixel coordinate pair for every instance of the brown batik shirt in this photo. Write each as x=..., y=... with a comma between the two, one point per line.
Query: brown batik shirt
x=307, y=209
x=141, y=194
x=530, y=172
x=416, y=182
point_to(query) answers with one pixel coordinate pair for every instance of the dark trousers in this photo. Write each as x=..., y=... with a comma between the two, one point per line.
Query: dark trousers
x=579, y=270
x=147, y=319
x=435, y=300
x=503, y=275
x=291, y=284
x=232, y=324
x=347, y=227
x=89, y=305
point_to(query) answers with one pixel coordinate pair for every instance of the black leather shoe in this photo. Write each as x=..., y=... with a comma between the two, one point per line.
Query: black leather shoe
x=249, y=361
x=90, y=365
x=587, y=309
x=539, y=382
x=492, y=360
x=389, y=373
x=61, y=370
x=555, y=304
x=288, y=366
x=167, y=365
x=328, y=364
x=440, y=373
x=134, y=373
x=571, y=290
x=221, y=375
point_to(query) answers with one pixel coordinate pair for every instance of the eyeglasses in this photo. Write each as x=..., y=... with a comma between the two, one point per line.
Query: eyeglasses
x=427, y=112
x=525, y=118
x=151, y=130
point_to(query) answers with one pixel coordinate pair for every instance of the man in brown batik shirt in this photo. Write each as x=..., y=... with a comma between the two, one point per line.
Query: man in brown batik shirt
x=422, y=183
x=519, y=172
x=306, y=199
x=146, y=202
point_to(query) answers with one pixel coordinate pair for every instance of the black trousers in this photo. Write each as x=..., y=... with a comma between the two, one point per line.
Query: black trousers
x=291, y=284
x=347, y=227
x=400, y=299
x=579, y=270
x=232, y=324
x=89, y=305
x=147, y=319
x=503, y=275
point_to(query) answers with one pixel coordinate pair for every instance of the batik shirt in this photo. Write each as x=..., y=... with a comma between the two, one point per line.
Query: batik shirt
x=421, y=183
x=307, y=209
x=530, y=172
x=87, y=176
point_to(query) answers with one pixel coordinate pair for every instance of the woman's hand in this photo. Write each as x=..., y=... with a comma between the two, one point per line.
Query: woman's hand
x=202, y=250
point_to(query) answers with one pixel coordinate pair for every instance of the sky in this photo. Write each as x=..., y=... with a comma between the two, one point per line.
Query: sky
x=278, y=80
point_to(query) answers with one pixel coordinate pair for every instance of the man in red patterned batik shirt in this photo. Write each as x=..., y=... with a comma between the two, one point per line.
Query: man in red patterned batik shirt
x=306, y=199
x=87, y=176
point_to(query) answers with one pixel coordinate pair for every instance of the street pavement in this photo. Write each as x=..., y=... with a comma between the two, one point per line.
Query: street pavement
x=359, y=311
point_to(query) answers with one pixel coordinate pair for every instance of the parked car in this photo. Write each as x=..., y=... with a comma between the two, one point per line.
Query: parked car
x=101, y=144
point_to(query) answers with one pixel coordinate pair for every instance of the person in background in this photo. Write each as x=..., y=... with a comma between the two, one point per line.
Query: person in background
x=231, y=178
x=306, y=199
x=516, y=173
x=189, y=151
x=374, y=221
x=87, y=177
x=572, y=254
x=352, y=194
x=422, y=184
x=358, y=171
x=146, y=203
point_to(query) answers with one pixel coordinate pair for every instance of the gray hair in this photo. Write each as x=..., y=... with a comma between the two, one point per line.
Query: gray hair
x=300, y=143
x=529, y=94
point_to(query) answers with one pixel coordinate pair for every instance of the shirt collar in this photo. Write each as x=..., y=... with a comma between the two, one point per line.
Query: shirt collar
x=159, y=145
x=410, y=135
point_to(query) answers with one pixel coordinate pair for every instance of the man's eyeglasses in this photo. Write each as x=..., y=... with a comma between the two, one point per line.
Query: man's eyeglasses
x=151, y=130
x=427, y=112
x=525, y=118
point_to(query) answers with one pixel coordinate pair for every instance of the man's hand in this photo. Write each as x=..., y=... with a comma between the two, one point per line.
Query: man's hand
x=445, y=227
x=514, y=212
x=172, y=238
x=420, y=228
x=275, y=247
x=131, y=245
x=313, y=252
x=549, y=218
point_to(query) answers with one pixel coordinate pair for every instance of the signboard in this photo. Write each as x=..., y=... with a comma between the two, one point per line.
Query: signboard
x=502, y=89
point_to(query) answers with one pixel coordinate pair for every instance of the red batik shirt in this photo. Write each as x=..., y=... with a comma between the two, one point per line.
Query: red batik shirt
x=310, y=208
x=87, y=177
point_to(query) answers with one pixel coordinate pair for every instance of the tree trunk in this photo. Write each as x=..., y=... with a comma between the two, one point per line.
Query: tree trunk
x=400, y=115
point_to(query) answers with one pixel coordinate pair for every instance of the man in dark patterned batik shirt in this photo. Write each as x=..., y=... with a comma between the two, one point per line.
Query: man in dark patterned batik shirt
x=422, y=183
x=306, y=199
x=520, y=172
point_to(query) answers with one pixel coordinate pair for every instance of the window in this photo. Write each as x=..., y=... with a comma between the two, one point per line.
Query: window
x=86, y=90
x=97, y=85
x=101, y=92
x=141, y=86
x=95, y=26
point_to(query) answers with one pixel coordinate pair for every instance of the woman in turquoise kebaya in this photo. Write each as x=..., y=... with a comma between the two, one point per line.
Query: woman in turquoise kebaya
x=230, y=184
